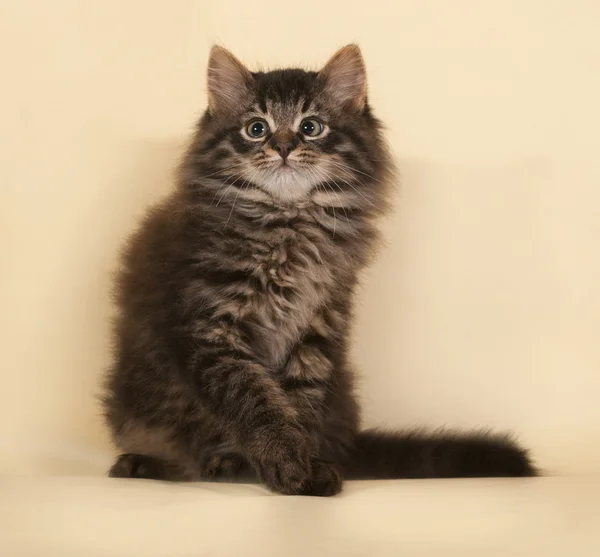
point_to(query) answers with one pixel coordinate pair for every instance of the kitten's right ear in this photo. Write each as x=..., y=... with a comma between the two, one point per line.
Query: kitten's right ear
x=229, y=81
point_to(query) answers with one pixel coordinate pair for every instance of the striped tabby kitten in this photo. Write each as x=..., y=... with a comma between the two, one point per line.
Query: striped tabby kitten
x=235, y=298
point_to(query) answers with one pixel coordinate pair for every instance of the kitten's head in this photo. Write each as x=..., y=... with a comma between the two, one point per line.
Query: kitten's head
x=291, y=135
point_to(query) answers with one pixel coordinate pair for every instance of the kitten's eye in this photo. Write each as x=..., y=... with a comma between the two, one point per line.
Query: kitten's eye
x=257, y=129
x=311, y=127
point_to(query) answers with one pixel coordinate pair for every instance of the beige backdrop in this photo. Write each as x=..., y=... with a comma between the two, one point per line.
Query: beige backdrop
x=484, y=308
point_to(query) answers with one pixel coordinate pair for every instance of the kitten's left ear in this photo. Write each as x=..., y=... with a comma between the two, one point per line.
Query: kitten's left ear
x=229, y=81
x=344, y=78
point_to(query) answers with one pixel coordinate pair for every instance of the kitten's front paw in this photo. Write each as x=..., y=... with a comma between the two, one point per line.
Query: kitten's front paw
x=283, y=462
x=325, y=480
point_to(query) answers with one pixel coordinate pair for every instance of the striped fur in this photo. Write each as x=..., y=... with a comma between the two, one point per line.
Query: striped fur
x=235, y=295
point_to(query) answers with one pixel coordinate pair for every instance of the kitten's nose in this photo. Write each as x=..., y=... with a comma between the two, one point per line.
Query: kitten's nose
x=284, y=143
x=284, y=149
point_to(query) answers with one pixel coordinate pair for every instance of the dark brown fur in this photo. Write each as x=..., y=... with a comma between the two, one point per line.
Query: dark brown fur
x=235, y=300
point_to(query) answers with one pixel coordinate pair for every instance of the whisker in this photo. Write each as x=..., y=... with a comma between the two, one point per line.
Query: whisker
x=235, y=177
x=245, y=184
x=344, y=166
x=329, y=178
x=357, y=190
x=341, y=205
x=339, y=200
x=219, y=171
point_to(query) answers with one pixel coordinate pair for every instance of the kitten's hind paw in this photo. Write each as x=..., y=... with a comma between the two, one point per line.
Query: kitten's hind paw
x=228, y=466
x=139, y=466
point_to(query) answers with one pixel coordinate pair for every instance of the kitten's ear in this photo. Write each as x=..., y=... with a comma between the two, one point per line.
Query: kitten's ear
x=344, y=78
x=229, y=81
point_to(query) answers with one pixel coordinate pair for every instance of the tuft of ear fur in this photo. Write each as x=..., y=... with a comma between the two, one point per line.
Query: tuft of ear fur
x=344, y=78
x=228, y=81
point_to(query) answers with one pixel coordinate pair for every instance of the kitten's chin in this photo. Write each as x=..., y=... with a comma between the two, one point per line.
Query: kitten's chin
x=288, y=185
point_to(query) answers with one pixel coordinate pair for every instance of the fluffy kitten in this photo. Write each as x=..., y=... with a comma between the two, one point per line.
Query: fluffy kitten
x=235, y=298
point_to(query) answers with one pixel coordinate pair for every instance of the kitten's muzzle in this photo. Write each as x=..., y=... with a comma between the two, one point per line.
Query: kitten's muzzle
x=284, y=143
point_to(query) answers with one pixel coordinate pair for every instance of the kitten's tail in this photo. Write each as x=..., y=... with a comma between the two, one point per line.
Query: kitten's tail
x=388, y=455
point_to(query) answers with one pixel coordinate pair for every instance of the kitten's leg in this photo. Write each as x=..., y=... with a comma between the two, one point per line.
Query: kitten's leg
x=257, y=416
x=306, y=381
x=150, y=453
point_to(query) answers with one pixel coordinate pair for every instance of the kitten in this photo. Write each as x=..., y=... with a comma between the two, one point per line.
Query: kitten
x=235, y=298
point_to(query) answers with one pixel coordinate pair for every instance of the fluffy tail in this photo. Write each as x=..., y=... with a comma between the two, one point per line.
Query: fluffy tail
x=382, y=455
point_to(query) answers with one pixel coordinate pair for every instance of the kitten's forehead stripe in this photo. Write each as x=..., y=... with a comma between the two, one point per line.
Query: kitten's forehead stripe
x=285, y=86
